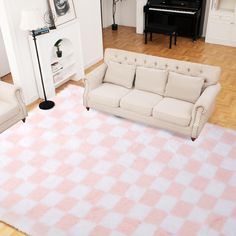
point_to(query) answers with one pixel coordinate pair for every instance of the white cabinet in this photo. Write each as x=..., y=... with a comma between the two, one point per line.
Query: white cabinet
x=4, y=65
x=221, y=27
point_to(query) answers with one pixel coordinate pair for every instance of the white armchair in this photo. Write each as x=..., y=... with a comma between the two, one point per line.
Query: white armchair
x=12, y=107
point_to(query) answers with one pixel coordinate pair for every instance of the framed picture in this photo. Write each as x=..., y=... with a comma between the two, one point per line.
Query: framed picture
x=63, y=11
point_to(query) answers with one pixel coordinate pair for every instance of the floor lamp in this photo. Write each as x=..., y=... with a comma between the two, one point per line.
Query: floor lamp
x=31, y=20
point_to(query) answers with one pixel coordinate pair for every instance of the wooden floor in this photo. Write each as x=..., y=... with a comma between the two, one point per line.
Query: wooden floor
x=7, y=78
x=7, y=230
x=199, y=51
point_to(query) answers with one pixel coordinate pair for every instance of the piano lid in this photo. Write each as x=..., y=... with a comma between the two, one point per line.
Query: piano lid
x=175, y=4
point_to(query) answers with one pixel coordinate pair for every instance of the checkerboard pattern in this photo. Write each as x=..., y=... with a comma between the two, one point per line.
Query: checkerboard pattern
x=71, y=172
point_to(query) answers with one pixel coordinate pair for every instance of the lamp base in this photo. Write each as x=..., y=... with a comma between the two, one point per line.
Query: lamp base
x=114, y=26
x=46, y=105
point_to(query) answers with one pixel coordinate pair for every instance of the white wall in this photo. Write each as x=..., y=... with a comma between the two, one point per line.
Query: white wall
x=17, y=45
x=227, y=4
x=206, y=17
x=125, y=13
x=140, y=16
x=128, y=13
x=89, y=14
x=107, y=13
x=4, y=65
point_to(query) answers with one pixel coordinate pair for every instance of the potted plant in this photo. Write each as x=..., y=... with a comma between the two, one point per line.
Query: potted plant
x=57, y=45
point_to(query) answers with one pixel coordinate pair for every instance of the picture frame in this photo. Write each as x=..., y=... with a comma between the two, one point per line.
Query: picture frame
x=63, y=11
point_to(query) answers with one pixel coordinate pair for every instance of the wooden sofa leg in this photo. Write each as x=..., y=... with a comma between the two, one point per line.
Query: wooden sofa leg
x=24, y=120
x=193, y=139
x=87, y=108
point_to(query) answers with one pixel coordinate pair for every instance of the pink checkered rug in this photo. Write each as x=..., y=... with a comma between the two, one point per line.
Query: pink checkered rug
x=72, y=172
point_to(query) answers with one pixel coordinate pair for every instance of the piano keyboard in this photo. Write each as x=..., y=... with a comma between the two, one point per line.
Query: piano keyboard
x=175, y=11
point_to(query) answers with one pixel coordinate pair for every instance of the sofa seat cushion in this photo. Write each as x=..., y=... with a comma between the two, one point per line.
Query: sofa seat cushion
x=120, y=74
x=151, y=80
x=7, y=111
x=174, y=111
x=140, y=102
x=108, y=94
x=184, y=87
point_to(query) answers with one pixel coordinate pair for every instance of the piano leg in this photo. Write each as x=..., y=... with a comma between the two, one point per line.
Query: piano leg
x=151, y=36
x=145, y=37
x=195, y=26
x=194, y=30
x=175, y=38
x=170, y=40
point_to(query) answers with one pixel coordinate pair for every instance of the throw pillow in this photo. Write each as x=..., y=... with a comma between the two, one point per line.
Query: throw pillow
x=120, y=74
x=151, y=80
x=184, y=87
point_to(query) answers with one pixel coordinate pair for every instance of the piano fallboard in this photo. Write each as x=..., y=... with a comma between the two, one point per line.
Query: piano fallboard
x=172, y=8
x=173, y=11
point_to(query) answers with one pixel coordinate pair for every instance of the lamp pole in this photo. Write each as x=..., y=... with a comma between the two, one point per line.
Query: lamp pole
x=46, y=104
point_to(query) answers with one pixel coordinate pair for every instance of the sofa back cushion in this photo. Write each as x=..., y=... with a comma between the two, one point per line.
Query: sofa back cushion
x=151, y=80
x=210, y=74
x=120, y=74
x=183, y=87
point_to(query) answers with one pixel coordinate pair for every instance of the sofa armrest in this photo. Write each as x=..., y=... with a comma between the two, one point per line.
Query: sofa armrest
x=12, y=94
x=9, y=92
x=93, y=80
x=207, y=98
x=203, y=108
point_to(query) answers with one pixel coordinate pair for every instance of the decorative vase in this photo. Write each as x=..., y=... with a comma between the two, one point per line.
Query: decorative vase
x=59, y=53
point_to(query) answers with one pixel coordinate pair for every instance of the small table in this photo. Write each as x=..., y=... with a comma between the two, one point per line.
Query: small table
x=170, y=30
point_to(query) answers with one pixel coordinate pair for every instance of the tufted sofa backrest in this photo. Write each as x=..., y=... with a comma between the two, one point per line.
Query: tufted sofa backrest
x=210, y=74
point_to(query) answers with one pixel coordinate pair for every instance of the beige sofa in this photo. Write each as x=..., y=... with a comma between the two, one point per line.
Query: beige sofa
x=166, y=93
x=12, y=106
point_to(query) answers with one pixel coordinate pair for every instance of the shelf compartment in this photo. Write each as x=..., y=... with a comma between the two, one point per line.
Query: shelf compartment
x=64, y=56
x=59, y=83
x=65, y=76
x=63, y=68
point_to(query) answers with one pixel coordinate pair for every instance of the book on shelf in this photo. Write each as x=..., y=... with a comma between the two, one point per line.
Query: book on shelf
x=56, y=66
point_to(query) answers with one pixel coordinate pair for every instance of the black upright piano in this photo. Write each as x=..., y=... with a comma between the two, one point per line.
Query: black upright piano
x=187, y=15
